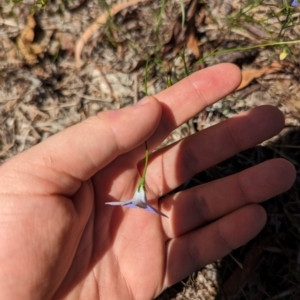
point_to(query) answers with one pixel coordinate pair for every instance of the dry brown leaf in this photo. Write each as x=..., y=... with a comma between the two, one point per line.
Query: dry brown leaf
x=186, y=34
x=251, y=74
x=25, y=38
x=192, y=45
x=28, y=49
x=36, y=49
x=101, y=20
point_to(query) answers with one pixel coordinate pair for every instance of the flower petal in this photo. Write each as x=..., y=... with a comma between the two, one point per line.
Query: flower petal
x=153, y=210
x=130, y=205
x=119, y=202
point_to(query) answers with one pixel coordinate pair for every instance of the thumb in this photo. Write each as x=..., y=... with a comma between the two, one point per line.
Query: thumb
x=77, y=153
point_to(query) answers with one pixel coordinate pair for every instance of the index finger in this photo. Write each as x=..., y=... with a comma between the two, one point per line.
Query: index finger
x=182, y=101
x=191, y=95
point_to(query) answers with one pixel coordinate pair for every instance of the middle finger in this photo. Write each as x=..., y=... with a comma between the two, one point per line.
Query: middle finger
x=172, y=166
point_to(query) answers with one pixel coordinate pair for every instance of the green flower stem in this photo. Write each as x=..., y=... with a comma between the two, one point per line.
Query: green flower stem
x=143, y=178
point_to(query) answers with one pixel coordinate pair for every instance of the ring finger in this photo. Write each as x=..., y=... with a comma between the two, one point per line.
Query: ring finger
x=192, y=208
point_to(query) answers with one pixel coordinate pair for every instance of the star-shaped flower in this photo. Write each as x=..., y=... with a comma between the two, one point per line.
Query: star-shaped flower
x=295, y=3
x=139, y=199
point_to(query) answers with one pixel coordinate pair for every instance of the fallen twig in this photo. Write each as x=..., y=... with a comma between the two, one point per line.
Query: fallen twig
x=101, y=20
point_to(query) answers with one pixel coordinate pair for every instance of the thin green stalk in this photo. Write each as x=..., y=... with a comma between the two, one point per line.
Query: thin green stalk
x=169, y=81
x=216, y=52
x=146, y=77
x=159, y=19
x=286, y=21
x=186, y=72
x=143, y=178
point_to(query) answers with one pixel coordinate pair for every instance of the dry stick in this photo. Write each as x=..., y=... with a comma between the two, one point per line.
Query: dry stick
x=101, y=20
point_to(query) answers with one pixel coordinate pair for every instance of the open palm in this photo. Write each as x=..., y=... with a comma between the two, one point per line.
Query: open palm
x=58, y=240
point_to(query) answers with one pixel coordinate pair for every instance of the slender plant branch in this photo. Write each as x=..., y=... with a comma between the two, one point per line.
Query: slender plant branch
x=143, y=178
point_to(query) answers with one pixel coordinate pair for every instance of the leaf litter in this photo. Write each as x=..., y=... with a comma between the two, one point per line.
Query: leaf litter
x=44, y=88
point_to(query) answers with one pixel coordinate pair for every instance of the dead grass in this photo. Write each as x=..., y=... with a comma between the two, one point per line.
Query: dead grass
x=143, y=49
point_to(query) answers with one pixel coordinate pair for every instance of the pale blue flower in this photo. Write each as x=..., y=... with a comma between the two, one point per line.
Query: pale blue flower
x=295, y=3
x=139, y=199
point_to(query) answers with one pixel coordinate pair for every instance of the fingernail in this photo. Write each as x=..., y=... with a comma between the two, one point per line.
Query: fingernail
x=143, y=101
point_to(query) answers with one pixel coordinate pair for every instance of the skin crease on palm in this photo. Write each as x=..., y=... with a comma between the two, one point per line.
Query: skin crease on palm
x=58, y=240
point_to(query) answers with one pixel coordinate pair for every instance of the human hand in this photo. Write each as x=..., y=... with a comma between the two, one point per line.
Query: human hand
x=58, y=240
